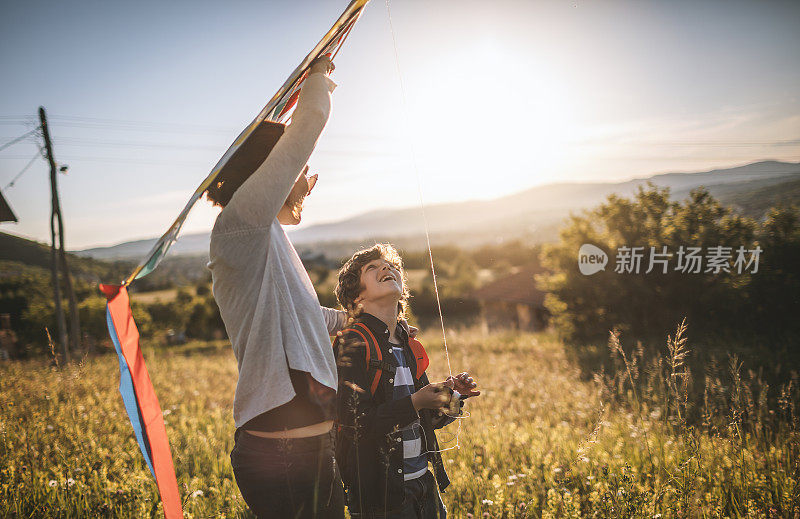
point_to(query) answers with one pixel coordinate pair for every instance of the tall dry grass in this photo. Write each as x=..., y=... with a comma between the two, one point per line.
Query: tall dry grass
x=647, y=438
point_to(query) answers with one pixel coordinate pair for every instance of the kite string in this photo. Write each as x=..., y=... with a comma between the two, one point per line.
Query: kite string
x=424, y=216
x=419, y=186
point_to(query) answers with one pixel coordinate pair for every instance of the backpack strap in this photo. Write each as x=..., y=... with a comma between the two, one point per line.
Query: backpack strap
x=420, y=356
x=382, y=365
x=363, y=338
x=373, y=356
x=375, y=362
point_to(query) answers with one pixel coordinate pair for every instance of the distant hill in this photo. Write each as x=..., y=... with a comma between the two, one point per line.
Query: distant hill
x=15, y=248
x=536, y=212
x=758, y=198
x=174, y=271
x=35, y=254
x=187, y=245
x=533, y=215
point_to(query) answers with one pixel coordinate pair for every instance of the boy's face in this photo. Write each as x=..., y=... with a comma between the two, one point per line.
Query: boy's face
x=380, y=280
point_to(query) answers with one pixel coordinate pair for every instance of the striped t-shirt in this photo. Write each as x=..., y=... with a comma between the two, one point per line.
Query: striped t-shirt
x=415, y=462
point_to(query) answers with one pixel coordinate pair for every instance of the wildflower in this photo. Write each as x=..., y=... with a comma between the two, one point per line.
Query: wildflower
x=486, y=515
x=584, y=459
x=197, y=493
x=510, y=483
x=557, y=470
x=512, y=477
x=487, y=502
x=657, y=516
x=166, y=412
x=70, y=482
x=470, y=516
x=49, y=427
x=52, y=483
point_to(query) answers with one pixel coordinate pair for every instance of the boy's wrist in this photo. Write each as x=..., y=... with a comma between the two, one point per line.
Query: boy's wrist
x=415, y=401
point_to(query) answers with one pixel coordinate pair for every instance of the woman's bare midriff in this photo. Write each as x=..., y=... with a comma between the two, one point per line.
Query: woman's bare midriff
x=301, y=432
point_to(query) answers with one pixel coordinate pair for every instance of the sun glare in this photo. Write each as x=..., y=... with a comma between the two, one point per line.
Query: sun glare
x=495, y=119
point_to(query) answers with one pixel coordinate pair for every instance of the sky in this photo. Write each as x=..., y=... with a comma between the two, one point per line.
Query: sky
x=491, y=98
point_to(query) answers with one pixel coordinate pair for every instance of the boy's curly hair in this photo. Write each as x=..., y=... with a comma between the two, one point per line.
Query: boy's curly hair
x=349, y=287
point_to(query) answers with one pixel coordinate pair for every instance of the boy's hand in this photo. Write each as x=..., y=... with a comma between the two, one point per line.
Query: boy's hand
x=464, y=384
x=432, y=396
x=322, y=64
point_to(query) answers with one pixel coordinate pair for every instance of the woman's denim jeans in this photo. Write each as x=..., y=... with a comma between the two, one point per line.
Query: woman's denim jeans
x=293, y=478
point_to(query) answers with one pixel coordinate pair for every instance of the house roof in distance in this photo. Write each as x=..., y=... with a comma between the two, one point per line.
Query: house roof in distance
x=519, y=287
x=6, y=214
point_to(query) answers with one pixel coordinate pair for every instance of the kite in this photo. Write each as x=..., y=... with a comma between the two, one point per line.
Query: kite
x=135, y=386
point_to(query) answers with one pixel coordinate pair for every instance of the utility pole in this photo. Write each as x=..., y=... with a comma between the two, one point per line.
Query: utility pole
x=58, y=261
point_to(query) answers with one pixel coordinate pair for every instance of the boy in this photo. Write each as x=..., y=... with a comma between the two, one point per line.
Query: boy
x=387, y=409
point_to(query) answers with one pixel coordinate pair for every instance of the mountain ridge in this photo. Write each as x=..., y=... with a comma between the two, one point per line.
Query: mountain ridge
x=532, y=214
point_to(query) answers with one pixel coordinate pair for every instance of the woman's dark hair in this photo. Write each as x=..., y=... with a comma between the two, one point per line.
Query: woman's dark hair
x=349, y=285
x=244, y=162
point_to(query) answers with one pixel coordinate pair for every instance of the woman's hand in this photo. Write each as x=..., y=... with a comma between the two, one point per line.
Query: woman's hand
x=464, y=384
x=323, y=65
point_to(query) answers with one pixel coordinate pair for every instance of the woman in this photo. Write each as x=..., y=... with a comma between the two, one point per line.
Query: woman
x=286, y=393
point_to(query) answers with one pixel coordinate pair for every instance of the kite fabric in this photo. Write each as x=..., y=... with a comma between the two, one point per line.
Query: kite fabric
x=137, y=391
x=278, y=110
x=140, y=399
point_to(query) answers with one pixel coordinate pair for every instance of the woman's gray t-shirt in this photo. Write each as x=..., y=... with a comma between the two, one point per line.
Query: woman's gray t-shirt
x=266, y=299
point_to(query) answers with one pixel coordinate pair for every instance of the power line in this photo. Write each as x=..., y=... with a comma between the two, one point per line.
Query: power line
x=11, y=119
x=121, y=124
x=28, y=165
x=77, y=141
x=129, y=125
x=122, y=161
x=14, y=141
x=18, y=121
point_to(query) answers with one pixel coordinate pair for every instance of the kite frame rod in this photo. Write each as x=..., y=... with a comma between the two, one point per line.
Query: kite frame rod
x=355, y=7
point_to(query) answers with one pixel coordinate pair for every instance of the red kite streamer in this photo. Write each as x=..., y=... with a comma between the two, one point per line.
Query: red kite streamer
x=140, y=399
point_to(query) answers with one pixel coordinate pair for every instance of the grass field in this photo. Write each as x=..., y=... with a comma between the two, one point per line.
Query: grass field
x=158, y=296
x=542, y=441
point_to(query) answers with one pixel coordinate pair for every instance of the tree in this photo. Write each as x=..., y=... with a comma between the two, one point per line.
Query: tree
x=639, y=302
